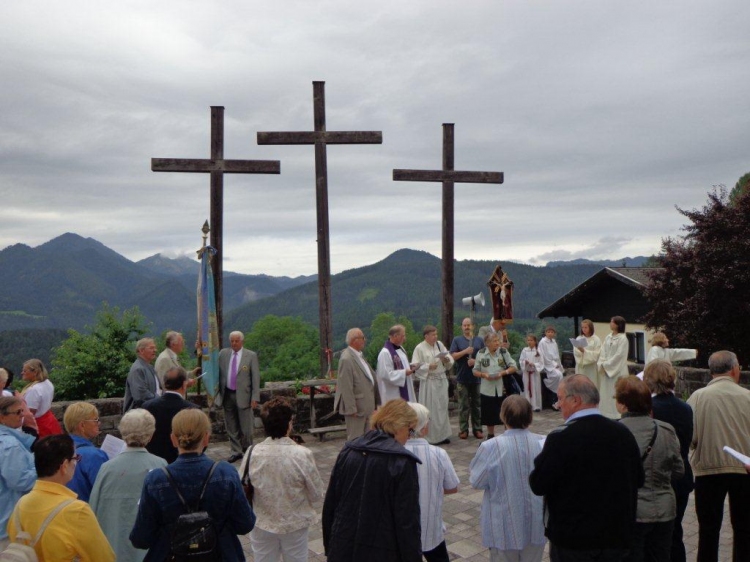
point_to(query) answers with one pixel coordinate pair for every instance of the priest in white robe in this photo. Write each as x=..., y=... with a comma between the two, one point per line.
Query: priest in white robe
x=434, y=360
x=394, y=372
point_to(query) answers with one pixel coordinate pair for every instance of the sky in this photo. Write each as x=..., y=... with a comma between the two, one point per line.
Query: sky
x=603, y=116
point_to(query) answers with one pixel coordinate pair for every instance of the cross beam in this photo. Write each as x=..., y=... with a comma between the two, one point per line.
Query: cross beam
x=320, y=138
x=448, y=176
x=217, y=166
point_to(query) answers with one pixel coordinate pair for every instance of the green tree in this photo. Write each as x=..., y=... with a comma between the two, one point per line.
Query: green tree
x=378, y=333
x=739, y=188
x=95, y=365
x=700, y=294
x=287, y=348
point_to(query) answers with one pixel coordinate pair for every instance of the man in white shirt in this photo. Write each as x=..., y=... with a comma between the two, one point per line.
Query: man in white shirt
x=357, y=394
x=168, y=359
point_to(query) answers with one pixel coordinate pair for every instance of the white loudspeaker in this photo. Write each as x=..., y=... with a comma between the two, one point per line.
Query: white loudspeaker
x=476, y=299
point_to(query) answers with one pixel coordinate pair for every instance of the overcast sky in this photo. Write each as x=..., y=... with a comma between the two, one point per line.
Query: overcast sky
x=602, y=115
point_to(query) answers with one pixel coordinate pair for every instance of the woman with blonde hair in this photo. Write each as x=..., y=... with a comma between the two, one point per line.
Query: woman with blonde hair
x=371, y=509
x=660, y=350
x=118, y=485
x=38, y=395
x=161, y=502
x=586, y=357
x=81, y=421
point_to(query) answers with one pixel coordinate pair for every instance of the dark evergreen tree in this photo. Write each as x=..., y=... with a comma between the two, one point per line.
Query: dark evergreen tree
x=700, y=296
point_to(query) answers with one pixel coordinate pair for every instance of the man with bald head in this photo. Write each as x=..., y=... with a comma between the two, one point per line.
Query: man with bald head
x=589, y=472
x=721, y=417
x=357, y=393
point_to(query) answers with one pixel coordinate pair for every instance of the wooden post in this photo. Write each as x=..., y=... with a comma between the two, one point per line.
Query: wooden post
x=448, y=176
x=217, y=167
x=321, y=138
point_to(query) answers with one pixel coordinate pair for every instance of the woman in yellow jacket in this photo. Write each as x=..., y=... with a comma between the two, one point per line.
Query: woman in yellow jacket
x=74, y=532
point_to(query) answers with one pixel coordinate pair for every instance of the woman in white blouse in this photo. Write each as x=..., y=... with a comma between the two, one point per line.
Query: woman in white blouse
x=287, y=484
x=586, y=357
x=612, y=364
x=437, y=478
x=38, y=395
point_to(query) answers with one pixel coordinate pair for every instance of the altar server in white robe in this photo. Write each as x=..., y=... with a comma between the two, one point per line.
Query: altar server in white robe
x=433, y=359
x=612, y=365
x=551, y=359
x=531, y=364
x=660, y=350
x=586, y=357
x=394, y=371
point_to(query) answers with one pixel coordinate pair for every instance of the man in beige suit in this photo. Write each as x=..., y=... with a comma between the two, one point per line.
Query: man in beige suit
x=168, y=359
x=239, y=393
x=356, y=391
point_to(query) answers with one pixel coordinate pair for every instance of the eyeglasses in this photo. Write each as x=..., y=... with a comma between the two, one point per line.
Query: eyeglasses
x=76, y=458
x=18, y=412
x=95, y=420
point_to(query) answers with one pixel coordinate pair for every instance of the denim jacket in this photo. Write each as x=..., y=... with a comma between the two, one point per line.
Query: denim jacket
x=17, y=472
x=160, y=507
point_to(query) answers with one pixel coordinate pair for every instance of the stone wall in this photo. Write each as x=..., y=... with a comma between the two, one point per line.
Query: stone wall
x=110, y=409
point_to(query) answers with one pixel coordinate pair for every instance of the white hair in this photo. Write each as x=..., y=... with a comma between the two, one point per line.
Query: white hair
x=238, y=334
x=423, y=416
x=137, y=427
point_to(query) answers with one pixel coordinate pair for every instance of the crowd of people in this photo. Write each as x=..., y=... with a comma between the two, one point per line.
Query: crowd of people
x=602, y=486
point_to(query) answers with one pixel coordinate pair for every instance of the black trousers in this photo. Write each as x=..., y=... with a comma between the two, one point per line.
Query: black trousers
x=560, y=554
x=710, y=493
x=437, y=554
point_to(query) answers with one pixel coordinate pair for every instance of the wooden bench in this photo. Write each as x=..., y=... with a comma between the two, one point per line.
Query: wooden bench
x=321, y=431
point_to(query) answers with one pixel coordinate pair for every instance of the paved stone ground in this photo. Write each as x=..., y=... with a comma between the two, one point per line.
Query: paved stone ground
x=461, y=510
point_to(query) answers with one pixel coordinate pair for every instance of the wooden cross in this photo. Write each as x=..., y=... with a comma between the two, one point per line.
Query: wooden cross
x=217, y=166
x=320, y=138
x=448, y=176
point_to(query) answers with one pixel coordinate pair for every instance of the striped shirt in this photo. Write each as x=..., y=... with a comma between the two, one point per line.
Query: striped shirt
x=511, y=516
x=436, y=473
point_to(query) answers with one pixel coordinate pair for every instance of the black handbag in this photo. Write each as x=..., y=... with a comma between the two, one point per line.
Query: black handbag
x=510, y=381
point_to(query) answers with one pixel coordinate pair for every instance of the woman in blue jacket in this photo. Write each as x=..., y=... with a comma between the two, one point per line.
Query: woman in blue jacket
x=224, y=499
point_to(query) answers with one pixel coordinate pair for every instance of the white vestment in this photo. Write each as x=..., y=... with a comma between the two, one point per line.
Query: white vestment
x=551, y=360
x=586, y=359
x=612, y=364
x=670, y=354
x=531, y=364
x=433, y=388
x=390, y=379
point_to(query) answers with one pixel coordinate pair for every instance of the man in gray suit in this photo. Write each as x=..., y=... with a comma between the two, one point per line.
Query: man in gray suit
x=142, y=383
x=239, y=393
x=356, y=392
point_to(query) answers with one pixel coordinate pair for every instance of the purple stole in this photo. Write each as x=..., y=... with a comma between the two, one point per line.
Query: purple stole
x=397, y=365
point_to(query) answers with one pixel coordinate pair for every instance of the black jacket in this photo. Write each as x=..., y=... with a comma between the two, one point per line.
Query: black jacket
x=670, y=409
x=164, y=408
x=371, y=508
x=589, y=472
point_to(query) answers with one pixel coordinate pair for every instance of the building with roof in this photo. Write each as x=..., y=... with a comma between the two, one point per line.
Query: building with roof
x=613, y=291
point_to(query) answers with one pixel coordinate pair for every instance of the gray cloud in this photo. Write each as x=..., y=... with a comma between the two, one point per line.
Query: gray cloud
x=603, y=117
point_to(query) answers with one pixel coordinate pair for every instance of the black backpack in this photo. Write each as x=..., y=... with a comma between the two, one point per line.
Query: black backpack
x=193, y=537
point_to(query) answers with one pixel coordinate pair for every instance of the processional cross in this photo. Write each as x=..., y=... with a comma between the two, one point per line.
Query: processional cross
x=320, y=138
x=448, y=176
x=217, y=166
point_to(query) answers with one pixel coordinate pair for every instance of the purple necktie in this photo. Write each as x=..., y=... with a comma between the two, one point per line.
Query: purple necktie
x=232, y=382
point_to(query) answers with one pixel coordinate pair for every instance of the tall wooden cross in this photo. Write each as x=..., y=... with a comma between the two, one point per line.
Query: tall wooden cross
x=217, y=166
x=448, y=176
x=320, y=138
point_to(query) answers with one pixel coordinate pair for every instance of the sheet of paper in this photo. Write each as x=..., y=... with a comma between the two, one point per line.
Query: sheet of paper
x=442, y=354
x=744, y=459
x=113, y=446
x=579, y=342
